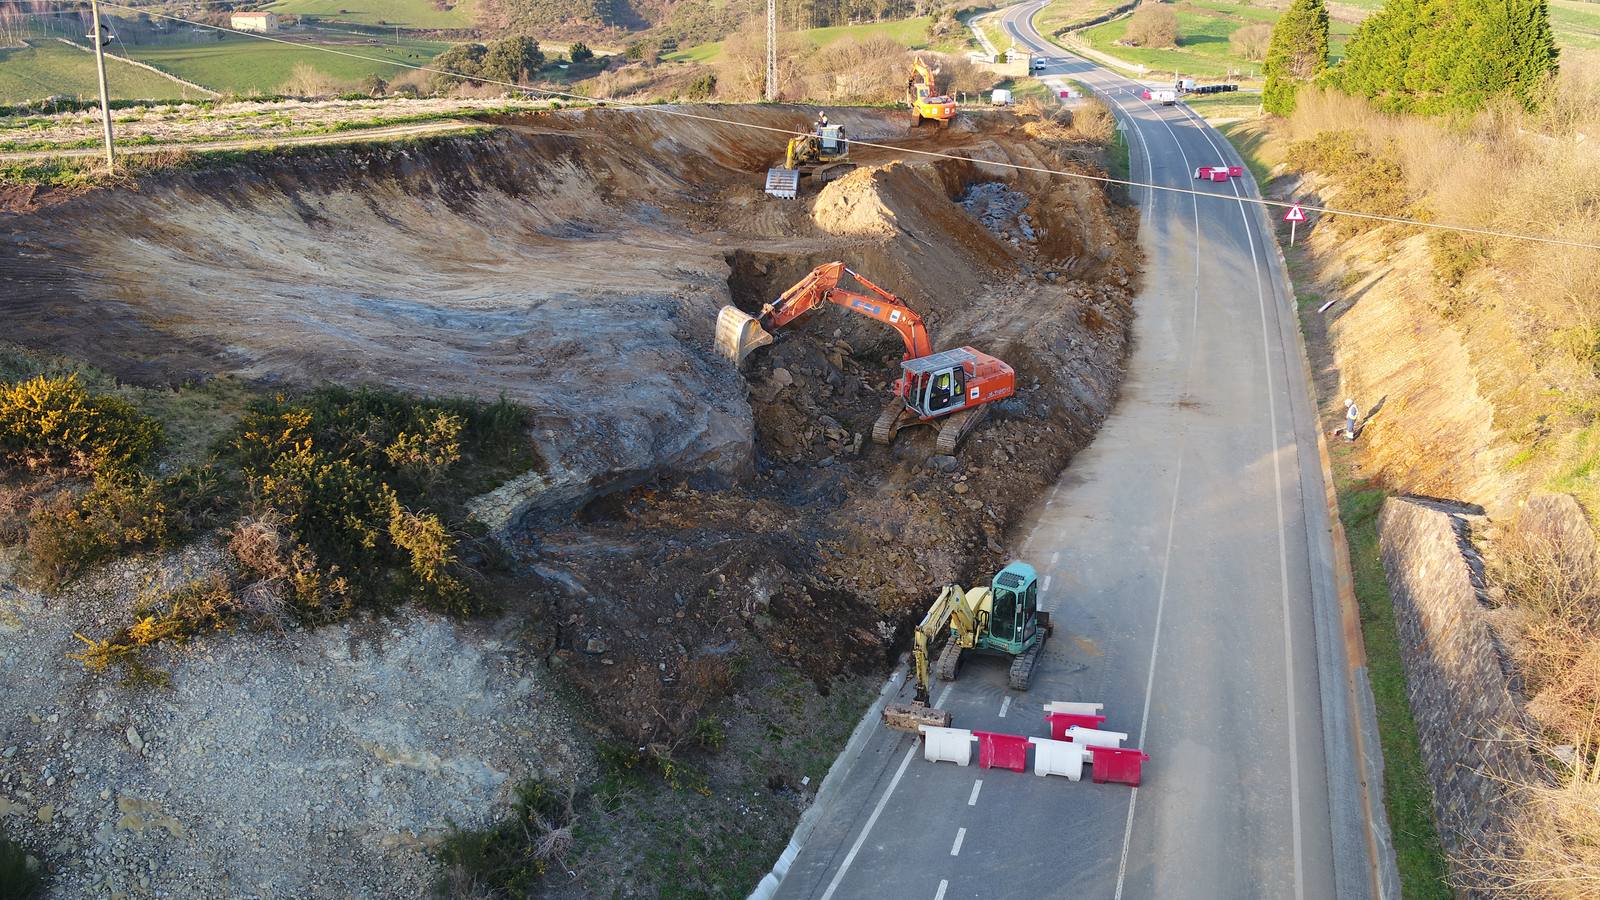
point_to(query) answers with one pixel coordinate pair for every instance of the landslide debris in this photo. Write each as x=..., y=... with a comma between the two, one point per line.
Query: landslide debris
x=693, y=531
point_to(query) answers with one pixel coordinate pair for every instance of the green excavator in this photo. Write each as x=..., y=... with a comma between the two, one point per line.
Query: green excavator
x=1002, y=619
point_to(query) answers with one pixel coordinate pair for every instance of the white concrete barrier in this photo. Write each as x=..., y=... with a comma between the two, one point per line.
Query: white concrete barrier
x=1089, y=737
x=1059, y=758
x=946, y=744
x=1073, y=709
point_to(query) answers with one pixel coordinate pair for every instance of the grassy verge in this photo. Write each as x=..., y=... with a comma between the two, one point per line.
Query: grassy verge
x=81, y=172
x=1408, y=795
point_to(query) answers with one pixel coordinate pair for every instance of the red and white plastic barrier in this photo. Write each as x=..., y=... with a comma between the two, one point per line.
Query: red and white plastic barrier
x=1093, y=737
x=1123, y=765
x=1075, y=740
x=946, y=744
x=1058, y=758
x=1002, y=751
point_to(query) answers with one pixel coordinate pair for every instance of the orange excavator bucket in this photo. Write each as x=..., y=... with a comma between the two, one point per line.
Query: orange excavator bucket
x=738, y=334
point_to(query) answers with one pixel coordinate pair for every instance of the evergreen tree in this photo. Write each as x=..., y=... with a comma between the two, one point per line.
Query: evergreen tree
x=1297, y=54
x=1441, y=56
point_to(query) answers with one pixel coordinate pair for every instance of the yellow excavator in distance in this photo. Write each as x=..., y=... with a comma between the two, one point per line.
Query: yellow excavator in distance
x=1003, y=619
x=925, y=101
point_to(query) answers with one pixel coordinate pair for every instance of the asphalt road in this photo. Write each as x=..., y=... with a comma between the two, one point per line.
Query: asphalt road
x=1186, y=557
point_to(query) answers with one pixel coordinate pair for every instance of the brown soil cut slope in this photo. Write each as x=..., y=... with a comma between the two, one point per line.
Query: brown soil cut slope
x=575, y=262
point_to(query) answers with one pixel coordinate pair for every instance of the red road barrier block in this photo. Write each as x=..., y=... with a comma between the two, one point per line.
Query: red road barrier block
x=1004, y=751
x=1144, y=94
x=1123, y=765
x=1060, y=722
x=1219, y=174
x=1236, y=171
x=1202, y=172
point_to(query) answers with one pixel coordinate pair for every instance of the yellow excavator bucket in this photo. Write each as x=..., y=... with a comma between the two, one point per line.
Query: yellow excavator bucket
x=738, y=334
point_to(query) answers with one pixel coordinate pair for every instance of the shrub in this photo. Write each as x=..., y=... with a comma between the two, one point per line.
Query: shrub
x=509, y=858
x=1153, y=25
x=703, y=87
x=18, y=879
x=579, y=52
x=1370, y=182
x=54, y=420
x=1296, y=53
x=1251, y=41
x=67, y=534
x=175, y=616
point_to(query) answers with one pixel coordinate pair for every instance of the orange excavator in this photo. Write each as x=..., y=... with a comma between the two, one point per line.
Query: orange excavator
x=924, y=102
x=950, y=390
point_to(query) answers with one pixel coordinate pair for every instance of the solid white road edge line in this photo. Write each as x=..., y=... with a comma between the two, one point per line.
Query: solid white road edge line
x=877, y=811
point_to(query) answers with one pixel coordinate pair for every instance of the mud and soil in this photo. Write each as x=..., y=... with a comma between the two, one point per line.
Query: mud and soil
x=686, y=514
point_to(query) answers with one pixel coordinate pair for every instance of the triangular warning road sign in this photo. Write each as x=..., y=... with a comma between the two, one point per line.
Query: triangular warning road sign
x=1295, y=214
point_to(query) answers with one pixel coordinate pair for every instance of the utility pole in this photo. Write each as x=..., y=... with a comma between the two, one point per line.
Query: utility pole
x=772, y=51
x=105, y=96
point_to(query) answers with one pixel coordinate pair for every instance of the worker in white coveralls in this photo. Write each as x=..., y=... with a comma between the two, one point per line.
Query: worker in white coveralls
x=1351, y=417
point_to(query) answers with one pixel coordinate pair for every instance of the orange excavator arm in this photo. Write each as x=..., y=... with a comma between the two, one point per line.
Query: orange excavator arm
x=822, y=286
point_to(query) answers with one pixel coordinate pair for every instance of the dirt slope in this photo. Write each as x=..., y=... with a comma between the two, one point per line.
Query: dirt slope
x=687, y=517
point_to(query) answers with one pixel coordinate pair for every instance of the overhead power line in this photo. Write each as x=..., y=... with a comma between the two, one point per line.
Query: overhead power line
x=932, y=154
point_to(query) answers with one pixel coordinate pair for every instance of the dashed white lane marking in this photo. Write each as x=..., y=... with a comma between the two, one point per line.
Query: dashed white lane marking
x=1055, y=557
x=1046, y=583
x=1005, y=704
x=833, y=884
x=943, y=884
x=977, y=786
x=961, y=835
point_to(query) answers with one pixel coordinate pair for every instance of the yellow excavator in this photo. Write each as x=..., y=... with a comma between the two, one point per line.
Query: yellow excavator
x=1002, y=619
x=824, y=156
x=926, y=104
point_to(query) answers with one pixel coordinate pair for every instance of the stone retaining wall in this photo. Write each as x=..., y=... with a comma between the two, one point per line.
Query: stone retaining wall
x=1472, y=730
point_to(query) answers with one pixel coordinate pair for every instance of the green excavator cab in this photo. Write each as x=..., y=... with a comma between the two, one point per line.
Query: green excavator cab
x=1014, y=613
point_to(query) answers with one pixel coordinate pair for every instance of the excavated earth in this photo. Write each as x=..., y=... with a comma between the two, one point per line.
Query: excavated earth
x=683, y=510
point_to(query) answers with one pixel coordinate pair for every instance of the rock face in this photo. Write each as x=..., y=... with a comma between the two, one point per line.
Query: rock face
x=275, y=764
x=1474, y=737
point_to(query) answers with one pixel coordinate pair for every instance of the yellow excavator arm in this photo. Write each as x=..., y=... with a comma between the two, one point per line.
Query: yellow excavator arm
x=951, y=603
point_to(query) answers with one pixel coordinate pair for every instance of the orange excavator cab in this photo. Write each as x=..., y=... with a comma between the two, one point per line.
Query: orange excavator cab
x=949, y=390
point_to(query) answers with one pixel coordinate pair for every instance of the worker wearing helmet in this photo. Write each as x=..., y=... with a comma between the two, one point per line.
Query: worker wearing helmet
x=822, y=121
x=1352, y=417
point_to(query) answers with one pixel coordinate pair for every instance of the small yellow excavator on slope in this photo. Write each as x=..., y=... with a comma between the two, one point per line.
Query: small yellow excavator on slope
x=824, y=156
x=1002, y=619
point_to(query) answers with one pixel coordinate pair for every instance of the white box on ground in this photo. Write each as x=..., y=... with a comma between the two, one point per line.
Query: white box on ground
x=1000, y=97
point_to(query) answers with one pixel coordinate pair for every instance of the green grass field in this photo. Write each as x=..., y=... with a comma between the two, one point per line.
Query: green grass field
x=405, y=13
x=250, y=65
x=1204, y=29
x=1065, y=13
x=911, y=32
x=50, y=69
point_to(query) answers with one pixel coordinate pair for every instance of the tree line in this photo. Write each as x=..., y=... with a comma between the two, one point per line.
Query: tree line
x=1424, y=56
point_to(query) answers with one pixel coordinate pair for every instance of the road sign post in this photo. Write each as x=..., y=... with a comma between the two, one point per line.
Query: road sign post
x=1294, y=217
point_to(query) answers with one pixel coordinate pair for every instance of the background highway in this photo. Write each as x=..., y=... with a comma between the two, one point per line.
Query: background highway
x=1186, y=557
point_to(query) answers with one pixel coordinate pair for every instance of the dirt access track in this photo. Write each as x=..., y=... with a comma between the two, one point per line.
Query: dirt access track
x=684, y=512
